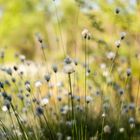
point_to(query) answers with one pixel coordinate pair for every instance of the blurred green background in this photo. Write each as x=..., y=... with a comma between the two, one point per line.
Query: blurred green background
x=60, y=23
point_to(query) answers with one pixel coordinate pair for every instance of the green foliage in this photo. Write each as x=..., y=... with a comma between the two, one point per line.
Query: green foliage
x=82, y=82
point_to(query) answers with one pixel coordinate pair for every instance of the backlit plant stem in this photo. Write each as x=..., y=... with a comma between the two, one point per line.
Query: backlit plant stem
x=71, y=95
x=85, y=71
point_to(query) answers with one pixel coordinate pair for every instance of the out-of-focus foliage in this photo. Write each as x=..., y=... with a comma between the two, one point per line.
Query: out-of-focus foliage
x=61, y=21
x=20, y=20
x=78, y=65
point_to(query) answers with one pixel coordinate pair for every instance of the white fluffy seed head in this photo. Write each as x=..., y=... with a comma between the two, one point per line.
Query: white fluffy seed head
x=122, y=35
x=121, y=130
x=85, y=33
x=68, y=68
x=38, y=84
x=103, y=115
x=44, y=101
x=118, y=43
x=110, y=55
x=107, y=129
x=4, y=108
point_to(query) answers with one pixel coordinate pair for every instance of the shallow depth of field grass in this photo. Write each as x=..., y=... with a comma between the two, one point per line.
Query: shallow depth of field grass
x=79, y=80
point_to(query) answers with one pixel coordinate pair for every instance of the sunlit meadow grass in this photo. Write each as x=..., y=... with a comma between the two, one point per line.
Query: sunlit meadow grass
x=93, y=98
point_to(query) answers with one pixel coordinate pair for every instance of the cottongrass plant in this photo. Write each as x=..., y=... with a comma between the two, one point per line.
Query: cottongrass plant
x=74, y=121
x=36, y=116
x=42, y=114
x=41, y=108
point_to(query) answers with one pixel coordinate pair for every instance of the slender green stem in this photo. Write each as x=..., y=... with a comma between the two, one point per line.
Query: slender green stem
x=113, y=61
x=45, y=58
x=13, y=124
x=121, y=105
x=85, y=47
x=44, y=55
x=59, y=26
x=52, y=137
x=85, y=72
x=71, y=95
x=138, y=93
x=103, y=121
x=4, y=128
x=20, y=125
x=72, y=105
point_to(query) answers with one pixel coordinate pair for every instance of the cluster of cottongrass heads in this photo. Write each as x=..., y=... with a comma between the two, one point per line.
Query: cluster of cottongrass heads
x=60, y=111
x=67, y=101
